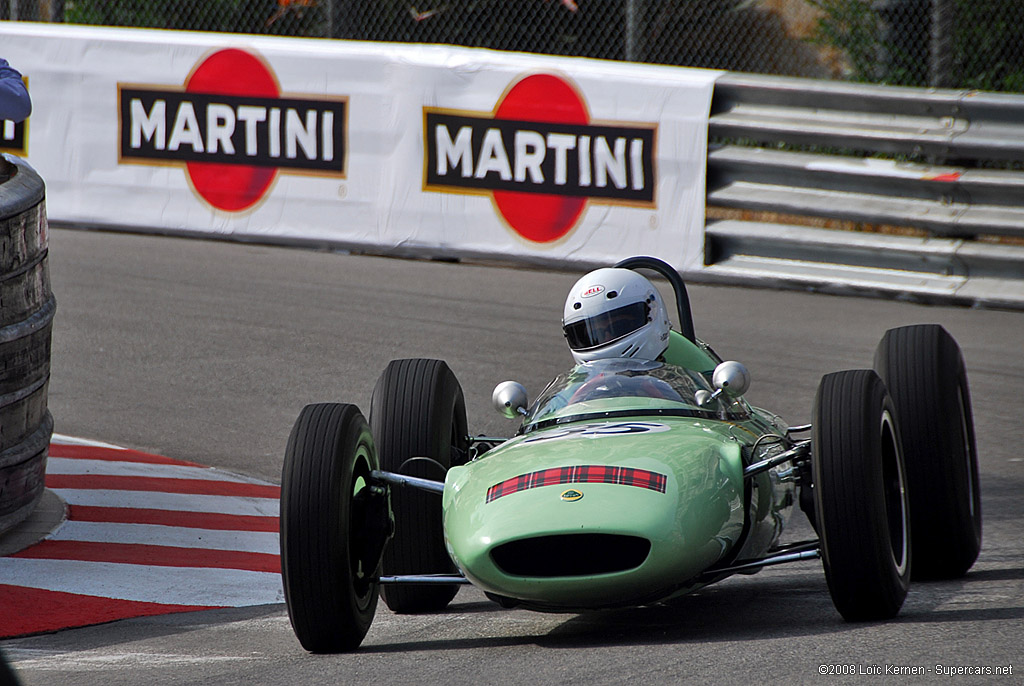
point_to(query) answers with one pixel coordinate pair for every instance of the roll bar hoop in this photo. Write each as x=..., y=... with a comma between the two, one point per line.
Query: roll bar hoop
x=669, y=272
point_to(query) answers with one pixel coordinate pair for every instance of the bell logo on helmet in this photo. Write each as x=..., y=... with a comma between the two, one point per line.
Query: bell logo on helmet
x=540, y=157
x=232, y=129
x=592, y=291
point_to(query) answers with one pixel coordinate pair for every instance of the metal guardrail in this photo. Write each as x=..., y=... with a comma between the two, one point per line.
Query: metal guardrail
x=803, y=152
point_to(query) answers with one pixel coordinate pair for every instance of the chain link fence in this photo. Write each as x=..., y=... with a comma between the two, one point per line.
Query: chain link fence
x=945, y=43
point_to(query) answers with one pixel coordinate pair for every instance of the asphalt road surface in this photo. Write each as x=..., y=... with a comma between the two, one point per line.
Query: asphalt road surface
x=206, y=351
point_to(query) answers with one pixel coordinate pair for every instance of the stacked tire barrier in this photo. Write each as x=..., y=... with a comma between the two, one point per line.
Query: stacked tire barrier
x=27, y=307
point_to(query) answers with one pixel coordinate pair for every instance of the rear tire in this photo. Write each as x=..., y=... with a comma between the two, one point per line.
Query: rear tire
x=923, y=368
x=860, y=496
x=328, y=557
x=418, y=411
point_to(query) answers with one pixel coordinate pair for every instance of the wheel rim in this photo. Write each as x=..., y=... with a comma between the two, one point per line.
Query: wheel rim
x=361, y=572
x=895, y=494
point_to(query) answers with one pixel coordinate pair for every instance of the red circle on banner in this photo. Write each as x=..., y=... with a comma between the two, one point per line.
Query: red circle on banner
x=232, y=187
x=541, y=217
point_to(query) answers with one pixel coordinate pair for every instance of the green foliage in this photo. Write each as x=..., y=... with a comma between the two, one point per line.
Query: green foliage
x=545, y=26
x=853, y=28
x=228, y=16
x=989, y=44
x=707, y=33
x=881, y=41
x=893, y=42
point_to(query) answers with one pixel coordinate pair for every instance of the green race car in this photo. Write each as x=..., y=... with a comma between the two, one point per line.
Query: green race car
x=629, y=482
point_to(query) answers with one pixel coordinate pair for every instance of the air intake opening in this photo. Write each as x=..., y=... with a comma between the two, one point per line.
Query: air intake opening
x=571, y=555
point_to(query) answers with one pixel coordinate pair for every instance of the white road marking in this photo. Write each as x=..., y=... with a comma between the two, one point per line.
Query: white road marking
x=105, y=659
x=186, y=502
x=74, y=466
x=205, y=585
x=174, y=536
x=194, y=586
x=62, y=439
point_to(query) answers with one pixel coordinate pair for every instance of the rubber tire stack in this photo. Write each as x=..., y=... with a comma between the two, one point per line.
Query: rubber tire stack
x=27, y=307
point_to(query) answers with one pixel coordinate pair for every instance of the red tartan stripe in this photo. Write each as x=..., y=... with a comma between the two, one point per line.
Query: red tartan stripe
x=579, y=474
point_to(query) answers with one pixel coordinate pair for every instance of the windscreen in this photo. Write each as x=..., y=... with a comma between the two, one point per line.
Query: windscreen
x=618, y=384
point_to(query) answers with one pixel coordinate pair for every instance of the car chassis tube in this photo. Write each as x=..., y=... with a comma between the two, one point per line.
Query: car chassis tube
x=403, y=480
x=800, y=450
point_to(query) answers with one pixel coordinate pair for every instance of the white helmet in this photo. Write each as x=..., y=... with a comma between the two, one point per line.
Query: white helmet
x=614, y=312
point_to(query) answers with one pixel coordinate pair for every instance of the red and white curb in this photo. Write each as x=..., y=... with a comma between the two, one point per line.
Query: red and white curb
x=145, y=534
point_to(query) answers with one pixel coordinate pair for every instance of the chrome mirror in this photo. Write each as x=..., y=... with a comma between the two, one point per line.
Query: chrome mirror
x=509, y=399
x=731, y=379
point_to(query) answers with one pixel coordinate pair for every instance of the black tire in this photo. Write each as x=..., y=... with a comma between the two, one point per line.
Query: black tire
x=860, y=496
x=418, y=411
x=332, y=528
x=924, y=370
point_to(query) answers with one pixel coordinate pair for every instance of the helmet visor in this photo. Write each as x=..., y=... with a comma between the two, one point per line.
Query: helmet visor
x=606, y=327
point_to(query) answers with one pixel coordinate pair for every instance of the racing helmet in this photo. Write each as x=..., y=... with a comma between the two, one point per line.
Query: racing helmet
x=614, y=312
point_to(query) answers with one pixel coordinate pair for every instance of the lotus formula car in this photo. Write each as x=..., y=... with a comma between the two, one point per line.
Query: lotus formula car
x=628, y=482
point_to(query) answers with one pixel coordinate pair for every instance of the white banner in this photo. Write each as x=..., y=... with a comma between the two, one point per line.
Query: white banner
x=393, y=148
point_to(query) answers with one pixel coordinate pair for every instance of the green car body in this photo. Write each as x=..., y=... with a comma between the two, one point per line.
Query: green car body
x=619, y=491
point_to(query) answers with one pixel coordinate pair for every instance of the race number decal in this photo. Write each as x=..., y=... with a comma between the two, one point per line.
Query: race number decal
x=600, y=431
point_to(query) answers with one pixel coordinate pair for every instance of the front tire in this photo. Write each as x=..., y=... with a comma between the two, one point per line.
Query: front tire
x=333, y=526
x=924, y=370
x=860, y=496
x=418, y=414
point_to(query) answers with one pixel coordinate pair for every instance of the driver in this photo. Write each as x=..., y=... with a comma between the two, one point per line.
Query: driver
x=614, y=312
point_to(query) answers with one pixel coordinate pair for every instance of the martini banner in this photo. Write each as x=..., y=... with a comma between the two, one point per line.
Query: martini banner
x=386, y=148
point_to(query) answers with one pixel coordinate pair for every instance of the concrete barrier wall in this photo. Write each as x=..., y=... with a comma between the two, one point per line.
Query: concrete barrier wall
x=27, y=307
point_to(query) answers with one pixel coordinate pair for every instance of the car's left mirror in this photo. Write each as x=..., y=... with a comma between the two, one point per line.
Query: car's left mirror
x=509, y=399
x=731, y=379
